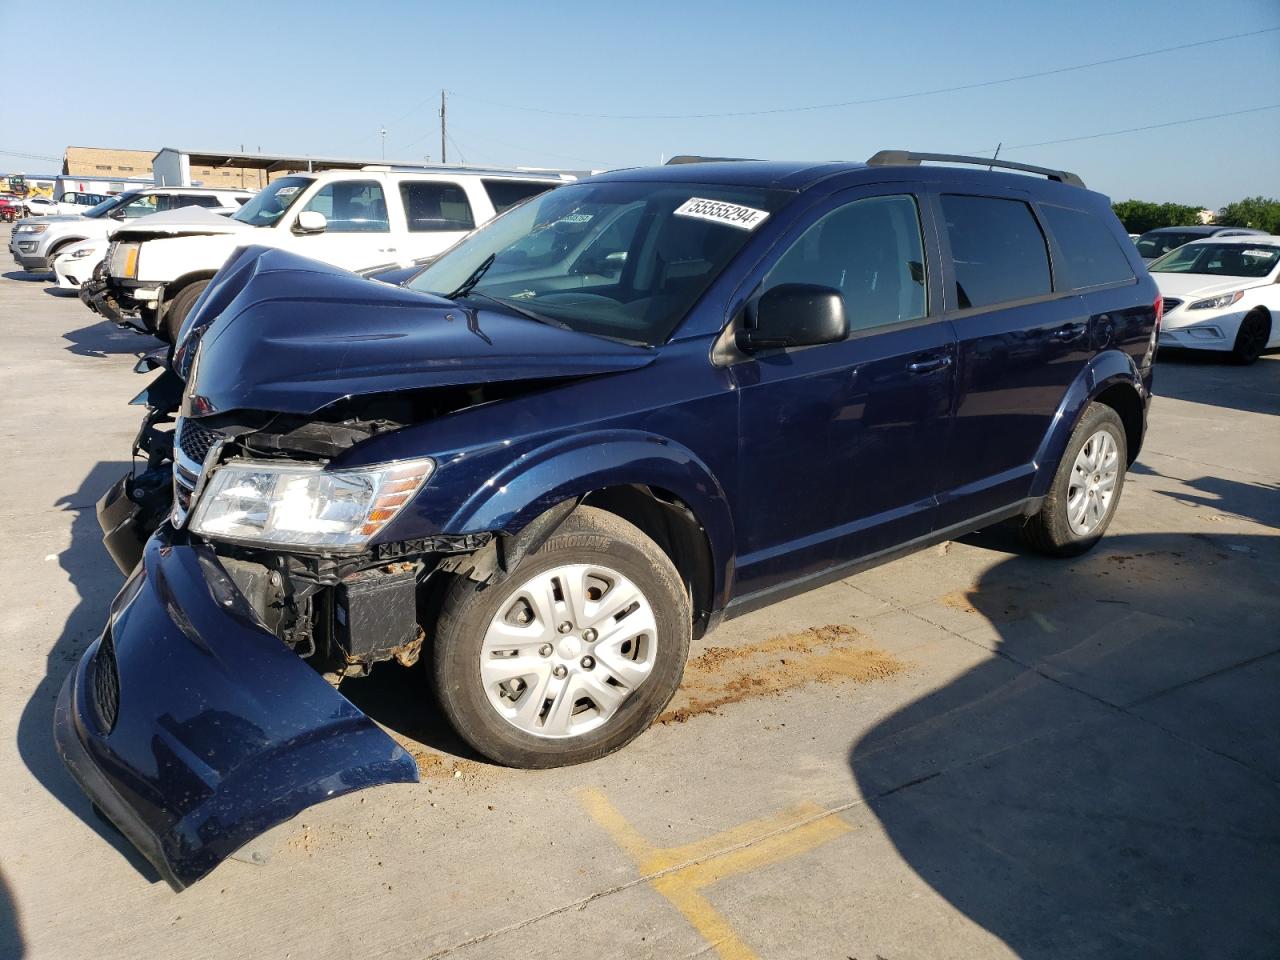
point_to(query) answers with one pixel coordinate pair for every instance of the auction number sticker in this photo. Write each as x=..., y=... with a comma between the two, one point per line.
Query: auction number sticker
x=717, y=211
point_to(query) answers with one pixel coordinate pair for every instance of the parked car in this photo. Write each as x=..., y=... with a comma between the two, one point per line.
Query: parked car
x=39, y=206
x=36, y=243
x=11, y=208
x=74, y=265
x=366, y=219
x=1156, y=243
x=1221, y=294
x=583, y=436
x=73, y=203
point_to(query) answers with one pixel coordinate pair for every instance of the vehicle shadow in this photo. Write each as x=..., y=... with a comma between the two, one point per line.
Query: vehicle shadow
x=12, y=946
x=28, y=277
x=1107, y=783
x=96, y=580
x=104, y=339
x=1203, y=377
x=1247, y=500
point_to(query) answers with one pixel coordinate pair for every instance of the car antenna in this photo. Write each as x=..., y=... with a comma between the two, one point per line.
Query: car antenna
x=996, y=155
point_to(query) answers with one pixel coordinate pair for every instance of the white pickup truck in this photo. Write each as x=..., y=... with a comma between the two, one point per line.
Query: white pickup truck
x=362, y=220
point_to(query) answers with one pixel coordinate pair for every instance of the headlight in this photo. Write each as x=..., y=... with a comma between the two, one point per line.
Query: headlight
x=81, y=254
x=305, y=505
x=32, y=228
x=123, y=260
x=1215, y=303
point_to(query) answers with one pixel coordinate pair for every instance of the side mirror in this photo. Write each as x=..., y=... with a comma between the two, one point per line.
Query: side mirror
x=794, y=315
x=117, y=213
x=309, y=222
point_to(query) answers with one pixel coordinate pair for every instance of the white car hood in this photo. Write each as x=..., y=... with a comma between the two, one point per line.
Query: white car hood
x=1185, y=286
x=193, y=220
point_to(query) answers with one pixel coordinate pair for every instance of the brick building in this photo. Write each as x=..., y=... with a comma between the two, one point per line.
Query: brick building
x=106, y=162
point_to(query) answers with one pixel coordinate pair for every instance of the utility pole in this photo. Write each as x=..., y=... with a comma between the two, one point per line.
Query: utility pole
x=384, y=143
x=444, y=157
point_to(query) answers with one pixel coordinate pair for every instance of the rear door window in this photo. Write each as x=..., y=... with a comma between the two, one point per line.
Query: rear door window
x=997, y=250
x=1093, y=255
x=431, y=206
x=352, y=206
x=505, y=194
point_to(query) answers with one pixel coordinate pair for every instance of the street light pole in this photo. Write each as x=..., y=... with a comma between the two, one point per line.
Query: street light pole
x=384, y=143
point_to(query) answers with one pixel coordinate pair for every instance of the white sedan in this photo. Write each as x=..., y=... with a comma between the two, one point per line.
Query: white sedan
x=1221, y=294
x=74, y=264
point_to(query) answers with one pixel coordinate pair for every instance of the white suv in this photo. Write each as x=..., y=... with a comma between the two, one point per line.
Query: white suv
x=362, y=220
x=35, y=242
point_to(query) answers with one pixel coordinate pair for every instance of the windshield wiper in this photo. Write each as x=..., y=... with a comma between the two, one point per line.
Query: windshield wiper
x=516, y=308
x=469, y=284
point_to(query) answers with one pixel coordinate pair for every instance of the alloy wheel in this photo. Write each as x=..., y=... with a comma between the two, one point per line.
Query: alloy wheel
x=1092, y=483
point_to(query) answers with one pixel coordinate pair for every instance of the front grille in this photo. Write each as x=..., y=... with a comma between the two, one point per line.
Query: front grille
x=1170, y=304
x=106, y=683
x=195, y=441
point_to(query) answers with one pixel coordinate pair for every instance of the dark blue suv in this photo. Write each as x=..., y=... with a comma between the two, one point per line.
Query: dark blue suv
x=624, y=410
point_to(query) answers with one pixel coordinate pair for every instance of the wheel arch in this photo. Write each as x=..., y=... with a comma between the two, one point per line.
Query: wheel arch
x=175, y=287
x=1110, y=378
x=659, y=486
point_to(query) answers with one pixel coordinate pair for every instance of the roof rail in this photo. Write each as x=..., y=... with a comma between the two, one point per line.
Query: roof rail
x=465, y=168
x=898, y=158
x=691, y=158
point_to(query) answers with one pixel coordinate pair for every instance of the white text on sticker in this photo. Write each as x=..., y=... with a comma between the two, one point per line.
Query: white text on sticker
x=717, y=211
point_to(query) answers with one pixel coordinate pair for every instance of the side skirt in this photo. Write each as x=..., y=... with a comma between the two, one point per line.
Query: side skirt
x=763, y=598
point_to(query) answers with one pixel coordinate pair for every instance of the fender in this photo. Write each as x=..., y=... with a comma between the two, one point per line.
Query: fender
x=1105, y=370
x=572, y=467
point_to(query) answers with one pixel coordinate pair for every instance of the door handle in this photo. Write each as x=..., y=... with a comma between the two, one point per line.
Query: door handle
x=929, y=364
x=1072, y=331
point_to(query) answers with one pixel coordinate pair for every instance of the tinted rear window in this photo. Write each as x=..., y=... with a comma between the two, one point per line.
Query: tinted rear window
x=432, y=206
x=1093, y=255
x=997, y=249
x=505, y=194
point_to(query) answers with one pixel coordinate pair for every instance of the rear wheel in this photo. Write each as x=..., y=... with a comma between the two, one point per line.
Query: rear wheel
x=1086, y=489
x=178, y=309
x=573, y=655
x=1251, y=338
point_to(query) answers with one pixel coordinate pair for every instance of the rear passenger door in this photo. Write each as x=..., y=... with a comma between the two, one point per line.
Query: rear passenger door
x=438, y=213
x=840, y=442
x=1022, y=340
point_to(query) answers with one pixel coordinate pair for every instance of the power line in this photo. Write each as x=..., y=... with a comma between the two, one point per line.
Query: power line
x=29, y=156
x=889, y=98
x=1150, y=126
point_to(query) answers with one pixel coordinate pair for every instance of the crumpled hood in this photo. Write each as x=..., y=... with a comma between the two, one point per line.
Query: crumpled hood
x=193, y=221
x=283, y=333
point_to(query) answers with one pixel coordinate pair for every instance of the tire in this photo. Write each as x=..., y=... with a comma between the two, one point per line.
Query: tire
x=1251, y=338
x=1054, y=529
x=592, y=550
x=178, y=309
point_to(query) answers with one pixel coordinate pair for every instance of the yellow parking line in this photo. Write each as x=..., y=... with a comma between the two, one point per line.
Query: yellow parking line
x=679, y=873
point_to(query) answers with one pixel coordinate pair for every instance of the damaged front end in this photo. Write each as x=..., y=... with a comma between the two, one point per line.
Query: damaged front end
x=267, y=563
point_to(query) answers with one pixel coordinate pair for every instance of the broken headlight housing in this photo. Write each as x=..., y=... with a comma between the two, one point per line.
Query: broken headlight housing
x=305, y=505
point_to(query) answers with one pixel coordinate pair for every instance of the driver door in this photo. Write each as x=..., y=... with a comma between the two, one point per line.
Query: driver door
x=840, y=443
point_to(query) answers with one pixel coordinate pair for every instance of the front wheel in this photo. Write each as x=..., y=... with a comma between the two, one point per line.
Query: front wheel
x=1251, y=338
x=178, y=309
x=1086, y=489
x=573, y=655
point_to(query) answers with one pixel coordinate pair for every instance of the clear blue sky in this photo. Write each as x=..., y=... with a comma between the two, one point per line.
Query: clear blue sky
x=318, y=78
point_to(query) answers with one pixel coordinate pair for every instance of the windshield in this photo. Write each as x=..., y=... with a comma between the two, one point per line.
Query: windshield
x=1220, y=260
x=109, y=204
x=620, y=260
x=1157, y=244
x=270, y=204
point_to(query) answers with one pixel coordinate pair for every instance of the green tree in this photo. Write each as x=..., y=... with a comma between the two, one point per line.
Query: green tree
x=1139, y=216
x=1261, y=213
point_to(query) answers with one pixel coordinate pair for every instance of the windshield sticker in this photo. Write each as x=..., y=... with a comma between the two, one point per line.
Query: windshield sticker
x=744, y=218
x=576, y=218
x=1258, y=253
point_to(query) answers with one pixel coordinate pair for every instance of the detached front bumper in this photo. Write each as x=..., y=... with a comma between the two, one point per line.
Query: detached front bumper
x=194, y=729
